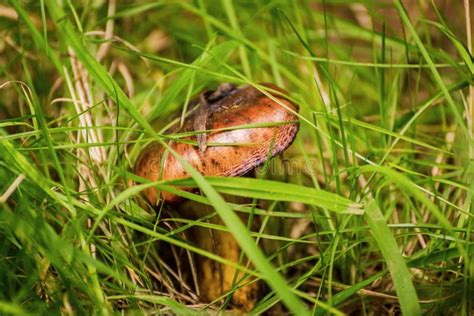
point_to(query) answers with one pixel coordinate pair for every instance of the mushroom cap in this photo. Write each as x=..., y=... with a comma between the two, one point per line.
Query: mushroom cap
x=230, y=152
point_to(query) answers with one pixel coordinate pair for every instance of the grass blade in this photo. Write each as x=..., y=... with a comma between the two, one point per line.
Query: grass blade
x=396, y=264
x=278, y=191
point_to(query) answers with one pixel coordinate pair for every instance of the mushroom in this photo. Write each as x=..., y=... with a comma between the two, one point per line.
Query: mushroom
x=236, y=130
x=229, y=150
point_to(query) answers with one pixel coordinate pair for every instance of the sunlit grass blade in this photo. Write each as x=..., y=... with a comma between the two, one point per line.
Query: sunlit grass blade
x=277, y=191
x=408, y=185
x=401, y=276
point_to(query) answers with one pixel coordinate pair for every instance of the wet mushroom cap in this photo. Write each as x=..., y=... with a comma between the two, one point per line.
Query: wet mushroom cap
x=229, y=152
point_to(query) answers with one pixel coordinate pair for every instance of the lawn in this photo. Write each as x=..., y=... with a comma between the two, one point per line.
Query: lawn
x=368, y=211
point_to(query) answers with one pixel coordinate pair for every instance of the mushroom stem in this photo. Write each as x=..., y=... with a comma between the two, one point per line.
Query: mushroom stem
x=216, y=279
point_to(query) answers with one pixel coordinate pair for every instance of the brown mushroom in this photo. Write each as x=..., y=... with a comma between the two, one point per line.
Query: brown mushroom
x=229, y=152
x=226, y=149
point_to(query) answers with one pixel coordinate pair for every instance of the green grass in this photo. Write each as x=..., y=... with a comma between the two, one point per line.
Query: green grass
x=369, y=211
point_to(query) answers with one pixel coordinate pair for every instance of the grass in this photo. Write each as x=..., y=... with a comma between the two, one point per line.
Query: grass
x=369, y=211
